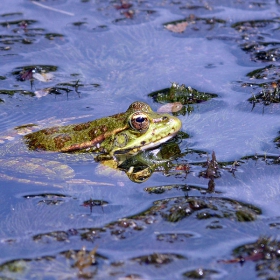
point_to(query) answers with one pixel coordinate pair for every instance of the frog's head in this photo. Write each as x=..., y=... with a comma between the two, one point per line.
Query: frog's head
x=145, y=129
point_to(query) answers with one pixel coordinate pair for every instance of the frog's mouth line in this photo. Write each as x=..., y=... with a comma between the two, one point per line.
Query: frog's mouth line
x=151, y=145
x=157, y=143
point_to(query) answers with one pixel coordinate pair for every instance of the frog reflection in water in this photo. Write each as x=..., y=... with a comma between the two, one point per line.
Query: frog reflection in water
x=113, y=138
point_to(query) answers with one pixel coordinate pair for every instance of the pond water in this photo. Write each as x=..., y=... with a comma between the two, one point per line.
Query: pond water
x=204, y=215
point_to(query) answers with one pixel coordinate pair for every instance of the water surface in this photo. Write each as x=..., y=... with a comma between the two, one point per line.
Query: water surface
x=104, y=55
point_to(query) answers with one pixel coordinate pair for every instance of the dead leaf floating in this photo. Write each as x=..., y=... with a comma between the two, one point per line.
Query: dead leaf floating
x=43, y=77
x=170, y=107
x=42, y=92
x=179, y=27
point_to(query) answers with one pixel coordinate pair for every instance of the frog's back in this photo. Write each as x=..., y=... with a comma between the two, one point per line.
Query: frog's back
x=76, y=136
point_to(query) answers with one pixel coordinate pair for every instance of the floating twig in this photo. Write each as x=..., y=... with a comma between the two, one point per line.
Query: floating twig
x=52, y=9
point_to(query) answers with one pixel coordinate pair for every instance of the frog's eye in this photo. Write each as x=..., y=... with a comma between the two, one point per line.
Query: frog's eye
x=139, y=122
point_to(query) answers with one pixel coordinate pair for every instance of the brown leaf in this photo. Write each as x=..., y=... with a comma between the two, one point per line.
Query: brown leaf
x=170, y=107
x=177, y=27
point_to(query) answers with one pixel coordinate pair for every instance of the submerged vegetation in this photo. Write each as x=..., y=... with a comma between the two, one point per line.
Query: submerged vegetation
x=183, y=95
x=267, y=91
x=265, y=252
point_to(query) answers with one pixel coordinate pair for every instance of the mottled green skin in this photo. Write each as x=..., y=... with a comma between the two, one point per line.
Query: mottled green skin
x=110, y=135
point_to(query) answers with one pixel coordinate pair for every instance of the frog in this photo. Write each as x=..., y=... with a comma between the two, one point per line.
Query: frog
x=110, y=140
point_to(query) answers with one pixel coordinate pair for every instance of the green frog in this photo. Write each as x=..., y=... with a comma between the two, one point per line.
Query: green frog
x=110, y=140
